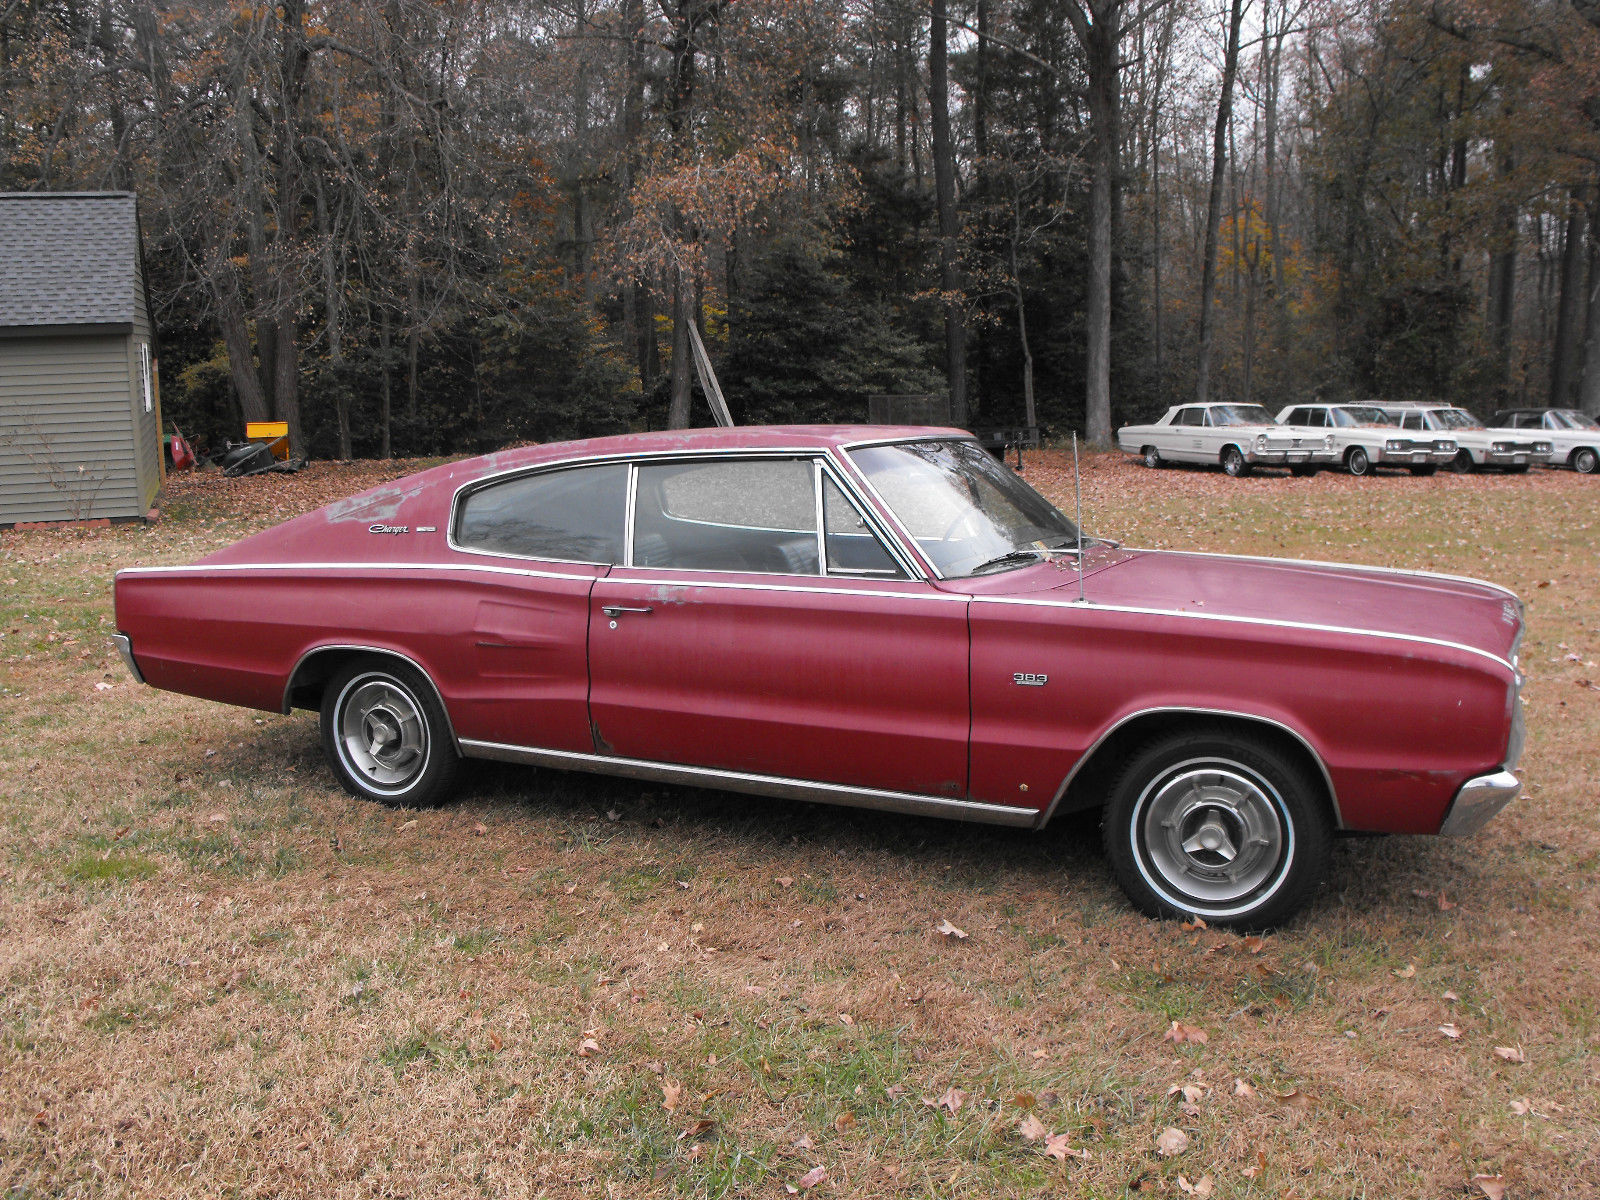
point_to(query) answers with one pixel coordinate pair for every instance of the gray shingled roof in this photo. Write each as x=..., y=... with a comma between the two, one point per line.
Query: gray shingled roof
x=67, y=258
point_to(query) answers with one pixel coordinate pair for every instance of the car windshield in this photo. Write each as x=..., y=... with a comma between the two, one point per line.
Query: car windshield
x=968, y=513
x=1360, y=415
x=1568, y=418
x=1240, y=414
x=1454, y=418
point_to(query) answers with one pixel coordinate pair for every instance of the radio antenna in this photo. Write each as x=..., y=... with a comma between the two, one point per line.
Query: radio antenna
x=1077, y=504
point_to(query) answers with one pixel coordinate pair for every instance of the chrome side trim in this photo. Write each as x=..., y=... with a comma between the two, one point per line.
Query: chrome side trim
x=1477, y=801
x=124, y=645
x=1327, y=779
x=288, y=688
x=1271, y=622
x=778, y=786
x=1343, y=566
x=477, y=568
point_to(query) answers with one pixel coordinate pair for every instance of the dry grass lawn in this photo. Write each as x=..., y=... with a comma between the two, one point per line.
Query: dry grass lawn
x=221, y=976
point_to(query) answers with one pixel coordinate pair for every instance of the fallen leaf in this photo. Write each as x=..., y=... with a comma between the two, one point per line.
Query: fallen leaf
x=1445, y=905
x=1192, y=924
x=411, y=824
x=785, y=880
x=1255, y=944
x=844, y=1121
x=1024, y=1100
x=803, y=1143
x=1180, y=1033
x=102, y=687
x=588, y=1048
x=671, y=1094
x=1260, y=1166
x=1451, y=1030
x=1056, y=1146
x=813, y=1177
x=846, y=1019
x=1032, y=1128
x=1202, y=1187
x=1193, y=1093
x=1171, y=1141
x=1492, y=1186
x=494, y=1041
x=217, y=819
x=1407, y=972
x=1294, y=1098
x=1041, y=1054
x=952, y=1099
x=479, y=828
x=1512, y=1054
x=1241, y=1088
x=950, y=931
x=613, y=815
x=1450, y=996
x=703, y=1125
x=1522, y=1107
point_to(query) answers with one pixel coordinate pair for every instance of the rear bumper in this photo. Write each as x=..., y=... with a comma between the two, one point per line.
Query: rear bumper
x=124, y=646
x=1478, y=800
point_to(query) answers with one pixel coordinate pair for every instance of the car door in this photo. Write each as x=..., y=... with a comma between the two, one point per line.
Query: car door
x=735, y=639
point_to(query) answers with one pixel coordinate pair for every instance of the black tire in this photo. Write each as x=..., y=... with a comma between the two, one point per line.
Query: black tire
x=386, y=736
x=1423, y=470
x=1584, y=460
x=1233, y=462
x=1358, y=461
x=1185, y=801
x=1153, y=459
x=1462, y=463
x=1303, y=472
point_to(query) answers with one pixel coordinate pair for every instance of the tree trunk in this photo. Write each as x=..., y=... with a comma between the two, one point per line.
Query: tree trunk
x=236, y=337
x=944, y=187
x=1219, y=162
x=1097, y=25
x=678, y=413
x=1589, y=383
x=386, y=401
x=1563, y=353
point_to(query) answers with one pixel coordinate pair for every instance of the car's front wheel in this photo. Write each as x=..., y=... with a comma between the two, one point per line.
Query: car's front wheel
x=1358, y=462
x=1585, y=461
x=1233, y=462
x=1462, y=463
x=385, y=734
x=1217, y=824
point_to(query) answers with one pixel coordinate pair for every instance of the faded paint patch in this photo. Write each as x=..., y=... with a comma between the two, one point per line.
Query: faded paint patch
x=380, y=504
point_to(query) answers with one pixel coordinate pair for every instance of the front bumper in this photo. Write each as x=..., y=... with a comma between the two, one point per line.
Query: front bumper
x=1510, y=458
x=1272, y=457
x=1415, y=456
x=1478, y=800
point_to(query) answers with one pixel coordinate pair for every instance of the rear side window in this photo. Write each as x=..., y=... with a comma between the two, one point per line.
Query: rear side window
x=575, y=515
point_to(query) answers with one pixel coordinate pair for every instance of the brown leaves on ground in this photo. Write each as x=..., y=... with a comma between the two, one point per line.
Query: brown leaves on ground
x=950, y=931
x=1511, y=1054
x=1451, y=1030
x=1180, y=1033
x=951, y=1101
x=1171, y=1142
x=1058, y=1146
x=810, y=1179
x=671, y=1095
x=1032, y=1128
x=1493, y=1187
x=1202, y=1187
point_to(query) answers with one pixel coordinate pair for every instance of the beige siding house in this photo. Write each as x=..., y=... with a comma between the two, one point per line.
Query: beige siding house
x=80, y=413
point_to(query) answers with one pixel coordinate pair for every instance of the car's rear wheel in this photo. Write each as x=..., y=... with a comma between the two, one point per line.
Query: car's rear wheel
x=1217, y=824
x=1357, y=461
x=1152, y=458
x=1462, y=463
x=1585, y=461
x=385, y=734
x=1424, y=469
x=1233, y=462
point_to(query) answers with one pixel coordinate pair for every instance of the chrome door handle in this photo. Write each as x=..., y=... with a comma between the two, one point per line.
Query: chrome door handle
x=616, y=610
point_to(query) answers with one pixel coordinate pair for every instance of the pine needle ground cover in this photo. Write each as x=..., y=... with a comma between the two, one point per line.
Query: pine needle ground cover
x=219, y=975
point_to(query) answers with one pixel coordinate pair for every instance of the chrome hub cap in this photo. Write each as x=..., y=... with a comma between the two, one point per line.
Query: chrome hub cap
x=1211, y=835
x=382, y=735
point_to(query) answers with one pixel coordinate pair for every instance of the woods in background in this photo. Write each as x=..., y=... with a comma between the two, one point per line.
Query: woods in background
x=411, y=226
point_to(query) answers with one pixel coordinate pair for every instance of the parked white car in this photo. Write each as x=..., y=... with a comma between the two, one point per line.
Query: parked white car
x=1574, y=436
x=1237, y=436
x=1365, y=437
x=1477, y=446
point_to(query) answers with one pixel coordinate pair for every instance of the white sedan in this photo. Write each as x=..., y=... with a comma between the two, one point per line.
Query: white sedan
x=1236, y=436
x=1364, y=436
x=1476, y=446
x=1574, y=436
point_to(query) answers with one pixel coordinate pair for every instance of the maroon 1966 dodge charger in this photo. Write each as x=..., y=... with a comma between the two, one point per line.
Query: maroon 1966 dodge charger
x=871, y=616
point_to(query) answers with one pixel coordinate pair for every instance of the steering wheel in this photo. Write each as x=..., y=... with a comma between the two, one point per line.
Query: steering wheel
x=964, y=517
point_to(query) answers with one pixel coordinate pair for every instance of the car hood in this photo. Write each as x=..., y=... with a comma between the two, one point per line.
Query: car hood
x=1445, y=608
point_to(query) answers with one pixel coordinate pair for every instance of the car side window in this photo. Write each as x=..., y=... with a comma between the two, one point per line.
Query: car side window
x=1297, y=416
x=1190, y=416
x=575, y=514
x=851, y=546
x=728, y=515
x=1317, y=418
